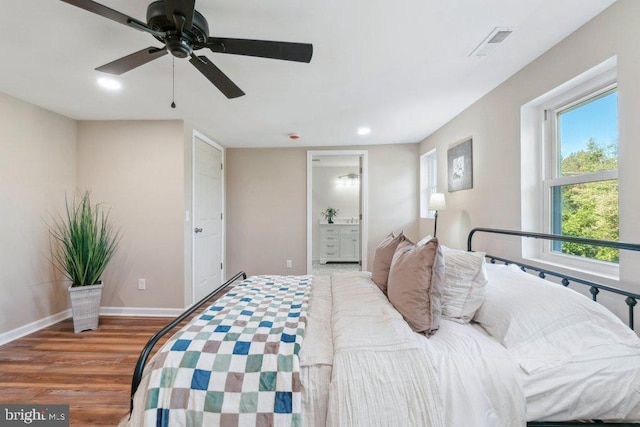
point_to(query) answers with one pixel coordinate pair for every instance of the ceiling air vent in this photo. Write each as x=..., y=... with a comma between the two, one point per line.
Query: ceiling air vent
x=491, y=42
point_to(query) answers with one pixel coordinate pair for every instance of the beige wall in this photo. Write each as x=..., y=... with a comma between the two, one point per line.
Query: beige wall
x=140, y=169
x=266, y=199
x=394, y=187
x=494, y=124
x=37, y=168
x=137, y=168
x=187, y=205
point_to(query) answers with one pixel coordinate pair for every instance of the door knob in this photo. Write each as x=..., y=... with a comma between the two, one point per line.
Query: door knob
x=198, y=230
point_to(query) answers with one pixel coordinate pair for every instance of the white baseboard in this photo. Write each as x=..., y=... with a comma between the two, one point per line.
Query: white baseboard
x=21, y=331
x=141, y=311
x=29, y=328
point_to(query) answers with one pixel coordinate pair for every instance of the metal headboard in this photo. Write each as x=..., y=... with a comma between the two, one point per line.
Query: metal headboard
x=594, y=288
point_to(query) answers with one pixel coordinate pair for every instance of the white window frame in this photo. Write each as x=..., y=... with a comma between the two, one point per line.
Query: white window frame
x=551, y=135
x=428, y=182
x=540, y=114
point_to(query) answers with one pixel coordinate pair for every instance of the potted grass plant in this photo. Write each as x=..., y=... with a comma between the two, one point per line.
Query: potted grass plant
x=85, y=243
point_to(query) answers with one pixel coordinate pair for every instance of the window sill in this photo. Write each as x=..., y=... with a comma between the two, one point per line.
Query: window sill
x=572, y=264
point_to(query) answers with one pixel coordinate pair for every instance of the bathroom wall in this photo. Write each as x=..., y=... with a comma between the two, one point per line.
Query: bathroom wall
x=329, y=191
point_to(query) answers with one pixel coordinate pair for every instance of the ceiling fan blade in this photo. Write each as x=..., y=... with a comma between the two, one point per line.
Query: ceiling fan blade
x=299, y=52
x=180, y=12
x=216, y=76
x=129, y=62
x=109, y=13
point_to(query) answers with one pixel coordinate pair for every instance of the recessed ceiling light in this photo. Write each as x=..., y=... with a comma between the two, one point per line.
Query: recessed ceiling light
x=364, y=131
x=109, y=84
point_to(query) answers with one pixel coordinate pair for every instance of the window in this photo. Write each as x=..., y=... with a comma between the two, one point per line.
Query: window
x=428, y=182
x=582, y=185
x=569, y=171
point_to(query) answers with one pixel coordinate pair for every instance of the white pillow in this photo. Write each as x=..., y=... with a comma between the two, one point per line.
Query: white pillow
x=424, y=240
x=465, y=280
x=544, y=324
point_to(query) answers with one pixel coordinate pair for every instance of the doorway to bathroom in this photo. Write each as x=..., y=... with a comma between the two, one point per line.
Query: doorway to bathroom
x=336, y=211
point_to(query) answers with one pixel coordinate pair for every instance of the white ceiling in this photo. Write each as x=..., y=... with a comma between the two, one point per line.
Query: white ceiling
x=401, y=68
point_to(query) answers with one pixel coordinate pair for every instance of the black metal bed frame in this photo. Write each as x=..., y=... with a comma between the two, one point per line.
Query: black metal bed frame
x=146, y=351
x=594, y=288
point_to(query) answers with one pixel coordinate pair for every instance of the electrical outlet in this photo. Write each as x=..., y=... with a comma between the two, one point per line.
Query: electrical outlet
x=142, y=284
x=289, y=263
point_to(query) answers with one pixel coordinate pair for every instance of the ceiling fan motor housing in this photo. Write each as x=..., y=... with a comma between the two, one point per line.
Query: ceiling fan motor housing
x=178, y=41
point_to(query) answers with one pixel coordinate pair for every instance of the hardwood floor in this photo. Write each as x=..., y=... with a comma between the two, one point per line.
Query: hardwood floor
x=90, y=371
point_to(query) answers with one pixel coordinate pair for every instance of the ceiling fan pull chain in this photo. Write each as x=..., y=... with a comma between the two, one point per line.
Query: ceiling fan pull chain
x=173, y=91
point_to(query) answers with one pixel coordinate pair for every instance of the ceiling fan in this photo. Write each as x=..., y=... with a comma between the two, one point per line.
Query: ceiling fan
x=184, y=30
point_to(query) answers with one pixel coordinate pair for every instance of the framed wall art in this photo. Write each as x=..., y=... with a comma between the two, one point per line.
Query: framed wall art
x=460, y=166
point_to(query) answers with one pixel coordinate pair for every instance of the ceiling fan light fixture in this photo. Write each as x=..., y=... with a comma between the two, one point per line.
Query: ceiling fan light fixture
x=178, y=45
x=109, y=84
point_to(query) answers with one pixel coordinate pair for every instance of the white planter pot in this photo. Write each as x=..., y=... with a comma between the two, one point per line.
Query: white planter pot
x=85, y=305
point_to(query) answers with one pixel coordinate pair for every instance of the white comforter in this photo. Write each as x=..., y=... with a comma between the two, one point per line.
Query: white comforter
x=577, y=360
x=382, y=375
x=601, y=383
x=477, y=377
x=458, y=377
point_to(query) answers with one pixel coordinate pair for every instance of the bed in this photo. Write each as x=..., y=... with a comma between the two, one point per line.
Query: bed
x=497, y=346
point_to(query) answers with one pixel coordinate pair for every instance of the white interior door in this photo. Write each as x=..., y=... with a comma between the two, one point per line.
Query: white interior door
x=207, y=218
x=361, y=205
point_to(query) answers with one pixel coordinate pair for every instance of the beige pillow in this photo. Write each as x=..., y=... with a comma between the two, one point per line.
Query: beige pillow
x=414, y=285
x=382, y=259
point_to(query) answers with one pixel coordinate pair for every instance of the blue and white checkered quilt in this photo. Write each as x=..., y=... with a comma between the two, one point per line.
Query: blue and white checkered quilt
x=237, y=363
